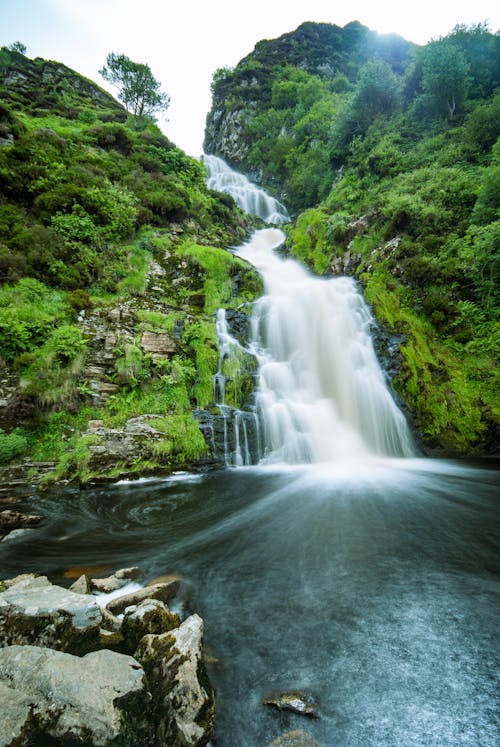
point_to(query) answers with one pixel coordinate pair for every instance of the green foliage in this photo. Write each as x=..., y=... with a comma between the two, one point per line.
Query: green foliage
x=138, y=88
x=12, y=445
x=445, y=78
x=132, y=365
x=17, y=46
x=53, y=370
x=28, y=312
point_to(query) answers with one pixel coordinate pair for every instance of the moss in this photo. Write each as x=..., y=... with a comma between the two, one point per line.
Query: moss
x=438, y=381
x=309, y=242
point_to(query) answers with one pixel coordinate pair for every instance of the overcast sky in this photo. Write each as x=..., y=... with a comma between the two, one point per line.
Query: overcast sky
x=185, y=41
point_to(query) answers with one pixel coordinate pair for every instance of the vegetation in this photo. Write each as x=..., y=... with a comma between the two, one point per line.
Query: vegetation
x=108, y=232
x=138, y=88
x=389, y=155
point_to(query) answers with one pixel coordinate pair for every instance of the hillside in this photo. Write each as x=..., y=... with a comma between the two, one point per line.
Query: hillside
x=388, y=154
x=112, y=264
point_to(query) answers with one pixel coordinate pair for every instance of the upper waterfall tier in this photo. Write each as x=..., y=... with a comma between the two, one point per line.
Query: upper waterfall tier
x=322, y=394
x=247, y=195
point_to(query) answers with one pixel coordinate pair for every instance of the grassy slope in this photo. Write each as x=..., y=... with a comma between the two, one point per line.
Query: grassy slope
x=101, y=214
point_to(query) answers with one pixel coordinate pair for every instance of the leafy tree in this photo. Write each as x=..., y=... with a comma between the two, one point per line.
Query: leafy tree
x=445, y=77
x=377, y=92
x=17, y=46
x=138, y=88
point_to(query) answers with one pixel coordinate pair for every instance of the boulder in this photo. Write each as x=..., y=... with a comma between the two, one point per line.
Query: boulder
x=149, y=617
x=34, y=611
x=116, y=581
x=16, y=709
x=175, y=668
x=81, y=585
x=164, y=592
x=101, y=699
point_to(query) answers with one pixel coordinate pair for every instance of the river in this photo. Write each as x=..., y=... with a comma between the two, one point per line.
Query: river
x=373, y=590
x=343, y=565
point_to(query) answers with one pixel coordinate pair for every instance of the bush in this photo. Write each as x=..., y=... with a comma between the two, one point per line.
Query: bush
x=12, y=445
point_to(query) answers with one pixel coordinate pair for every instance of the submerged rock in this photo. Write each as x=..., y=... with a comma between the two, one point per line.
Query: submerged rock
x=294, y=701
x=296, y=738
x=100, y=699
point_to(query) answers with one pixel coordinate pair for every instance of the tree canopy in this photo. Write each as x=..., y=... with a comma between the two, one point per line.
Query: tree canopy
x=138, y=88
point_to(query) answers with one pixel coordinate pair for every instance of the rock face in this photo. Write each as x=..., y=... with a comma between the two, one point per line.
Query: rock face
x=72, y=687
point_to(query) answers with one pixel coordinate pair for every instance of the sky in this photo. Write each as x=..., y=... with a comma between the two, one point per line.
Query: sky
x=185, y=41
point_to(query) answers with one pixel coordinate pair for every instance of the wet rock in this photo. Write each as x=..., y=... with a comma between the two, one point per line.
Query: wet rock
x=109, y=621
x=163, y=592
x=175, y=668
x=81, y=585
x=297, y=702
x=116, y=581
x=296, y=738
x=16, y=534
x=10, y=520
x=192, y=695
x=34, y=611
x=149, y=617
x=100, y=699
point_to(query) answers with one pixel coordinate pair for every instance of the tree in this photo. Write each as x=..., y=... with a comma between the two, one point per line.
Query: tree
x=17, y=46
x=138, y=88
x=445, y=77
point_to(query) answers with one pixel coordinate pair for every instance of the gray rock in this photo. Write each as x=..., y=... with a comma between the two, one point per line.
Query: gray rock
x=116, y=581
x=16, y=710
x=81, y=585
x=149, y=617
x=34, y=611
x=100, y=699
x=174, y=665
x=191, y=694
x=164, y=592
x=16, y=534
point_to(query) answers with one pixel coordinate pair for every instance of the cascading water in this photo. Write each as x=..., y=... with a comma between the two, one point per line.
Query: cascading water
x=322, y=395
x=250, y=198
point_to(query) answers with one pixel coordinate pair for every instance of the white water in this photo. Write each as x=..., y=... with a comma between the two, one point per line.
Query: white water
x=322, y=394
x=250, y=198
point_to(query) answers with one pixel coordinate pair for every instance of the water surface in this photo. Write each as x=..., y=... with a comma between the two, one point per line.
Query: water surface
x=372, y=586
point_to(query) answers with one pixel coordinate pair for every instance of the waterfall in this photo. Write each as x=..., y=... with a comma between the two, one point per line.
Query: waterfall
x=322, y=395
x=250, y=198
x=239, y=427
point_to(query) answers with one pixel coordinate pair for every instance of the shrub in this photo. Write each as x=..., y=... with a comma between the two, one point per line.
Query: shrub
x=12, y=445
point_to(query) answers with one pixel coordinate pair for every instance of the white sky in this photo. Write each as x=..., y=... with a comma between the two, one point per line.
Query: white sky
x=185, y=41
